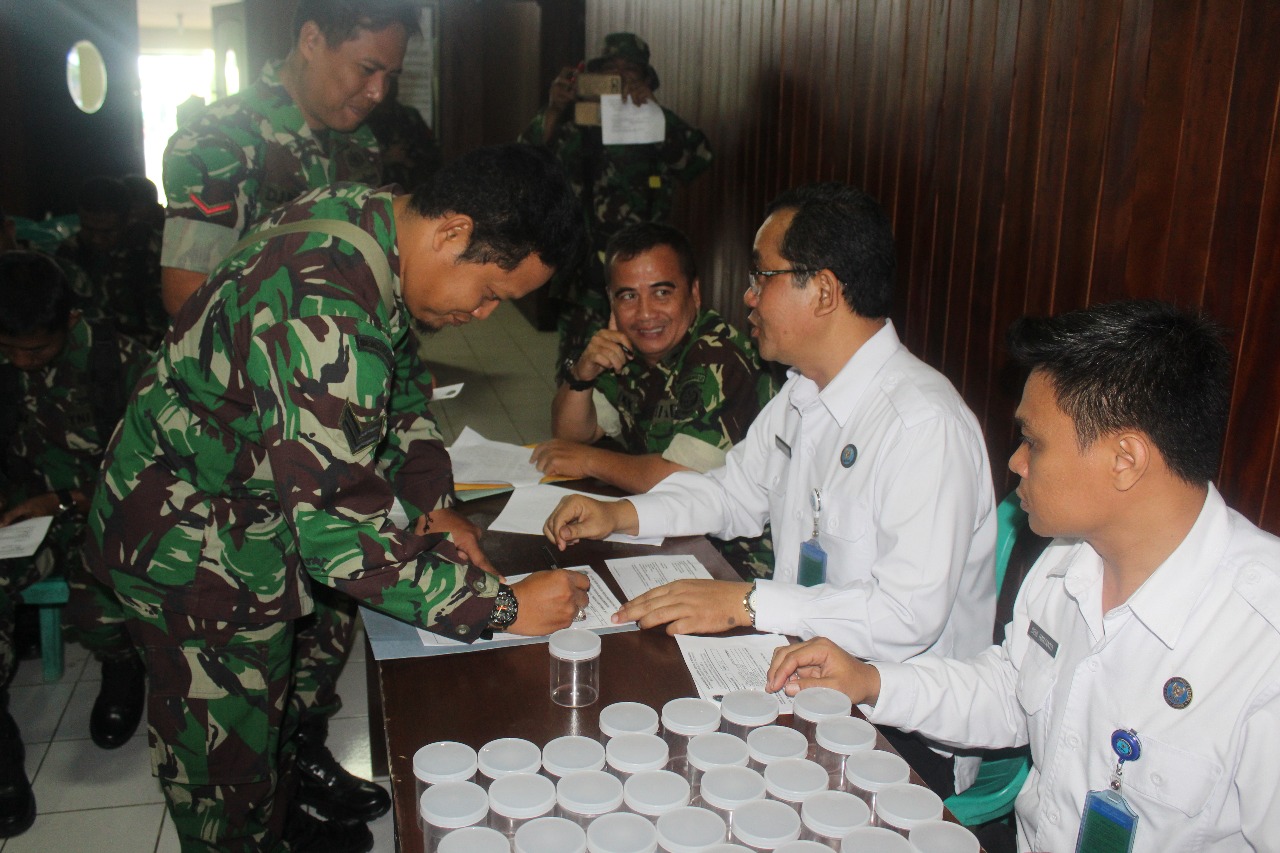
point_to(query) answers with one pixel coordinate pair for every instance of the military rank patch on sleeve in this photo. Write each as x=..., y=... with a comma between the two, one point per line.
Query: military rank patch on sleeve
x=361, y=433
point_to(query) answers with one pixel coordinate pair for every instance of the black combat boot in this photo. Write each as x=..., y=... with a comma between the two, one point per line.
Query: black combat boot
x=329, y=789
x=17, y=803
x=304, y=833
x=120, y=701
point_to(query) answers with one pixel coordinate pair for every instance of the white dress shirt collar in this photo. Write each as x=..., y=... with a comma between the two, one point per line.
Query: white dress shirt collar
x=845, y=390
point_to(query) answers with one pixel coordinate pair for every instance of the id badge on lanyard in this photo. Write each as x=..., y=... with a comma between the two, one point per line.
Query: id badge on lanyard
x=1108, y=824
x=813, y=560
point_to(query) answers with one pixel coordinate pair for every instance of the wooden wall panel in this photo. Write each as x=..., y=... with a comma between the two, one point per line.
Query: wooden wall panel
x=1034, y=155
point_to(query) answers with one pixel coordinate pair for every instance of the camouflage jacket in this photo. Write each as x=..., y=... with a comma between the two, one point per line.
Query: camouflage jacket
x=125, y=282
x=244, y=156
x=285, y=409
x=628, y=183
x=693, y=406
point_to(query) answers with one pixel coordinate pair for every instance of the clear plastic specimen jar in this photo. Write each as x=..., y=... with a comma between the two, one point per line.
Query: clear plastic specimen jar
x=550, y=835
x=621, y=833
x=653, y=793
x=767, y=744
x=475, y=839
x=876, y=838
x=794, y=780
x=743, y=710
x=802, y=846
x=627, y=718
x=575, y=667
x=836, y=739
x=689, y=830
x=815, y=704
x=449, y=806
x=517, y=798
x=868, y=771
x=682, y=720
x=715, y=749
x=939, y=836
x=583, y=796
x=765, y=825
x=442, y=761
x=725, y=789
x=903, y=807
x=829, y=816
x=505, y=756
x=570, y=754
x=630, y=753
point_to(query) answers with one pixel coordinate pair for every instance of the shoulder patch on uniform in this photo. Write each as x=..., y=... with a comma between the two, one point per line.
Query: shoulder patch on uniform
x=361, y=433
x=378, y=348
x=209, y=209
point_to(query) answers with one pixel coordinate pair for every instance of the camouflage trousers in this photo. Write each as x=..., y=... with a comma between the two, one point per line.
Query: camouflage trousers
x=322, y=646
x=750, y=556
x=221, y=713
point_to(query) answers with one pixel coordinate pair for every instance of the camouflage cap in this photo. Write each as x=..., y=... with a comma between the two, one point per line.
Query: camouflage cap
x=628, y=47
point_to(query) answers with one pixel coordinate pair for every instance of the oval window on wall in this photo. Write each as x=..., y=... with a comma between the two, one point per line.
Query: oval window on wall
x=86, y=76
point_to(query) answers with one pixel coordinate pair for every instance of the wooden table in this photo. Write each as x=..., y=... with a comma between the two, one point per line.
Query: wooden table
x=475, y=697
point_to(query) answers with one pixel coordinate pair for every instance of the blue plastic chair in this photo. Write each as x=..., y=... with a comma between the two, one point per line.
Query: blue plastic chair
x=999, y=779
x=49, y=595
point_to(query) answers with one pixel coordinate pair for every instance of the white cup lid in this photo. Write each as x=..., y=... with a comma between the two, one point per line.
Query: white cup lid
x=655, y=792
x=802, y=847
x=767, y=744
x=636, y=753
x=727, y=847
x=551, y=835
x=474, y=839
x=906, y=805
x=509, y=755
x=451, y=805
x=845, y=735
x=939, y=836
x=589, y=792
x=816, y=704
x=729, y=787
x=621, y=833
x=794, y=779
x=831, y=814
x=444, y=761
x=873, y=769
x=875, y=838
x=623, y=718
x=522, y=796
x=571, y=753
x=765, y=824
x=690, y=716
x=717, y=749
x=749, y=707
x=690, y=830
x=574, y=644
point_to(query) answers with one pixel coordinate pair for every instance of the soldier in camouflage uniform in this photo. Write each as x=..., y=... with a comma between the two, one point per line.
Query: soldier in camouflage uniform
x=671, y=382
x=302, y=126
x=63, y=384
x=260, y=456
x=618, y=184
x=410, y=153
x=76, y=278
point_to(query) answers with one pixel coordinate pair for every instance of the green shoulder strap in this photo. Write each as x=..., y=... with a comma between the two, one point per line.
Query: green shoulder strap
x=364, y=242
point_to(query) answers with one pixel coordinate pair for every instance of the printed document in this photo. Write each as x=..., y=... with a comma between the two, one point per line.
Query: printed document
x=721, y=664
x=528, y=508
x=637, y=575
x=625, y=123
x=23, y=538
x=478, y=460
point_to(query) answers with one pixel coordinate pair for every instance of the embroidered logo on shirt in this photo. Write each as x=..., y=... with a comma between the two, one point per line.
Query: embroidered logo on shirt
x=848, y=456
x=1042, y=639
x=360, y=432
x=207, y=209
x=1177, y=693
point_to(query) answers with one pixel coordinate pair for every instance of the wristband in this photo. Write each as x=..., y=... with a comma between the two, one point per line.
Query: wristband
x=573, y=382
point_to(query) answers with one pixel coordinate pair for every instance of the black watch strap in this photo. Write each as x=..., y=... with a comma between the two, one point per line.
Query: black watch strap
x=573, y=382
x=66, y=503
x=505, y=608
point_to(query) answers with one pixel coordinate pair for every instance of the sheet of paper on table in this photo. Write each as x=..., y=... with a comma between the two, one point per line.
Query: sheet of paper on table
x=721, y=664
x=600, y=606
x=529, y=507
x=476, y=459
x=637, y=575
x=23, y=538
x=446, y=392
x=625, y=123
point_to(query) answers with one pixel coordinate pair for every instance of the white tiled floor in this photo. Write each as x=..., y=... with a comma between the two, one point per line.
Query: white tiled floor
x=92, y=800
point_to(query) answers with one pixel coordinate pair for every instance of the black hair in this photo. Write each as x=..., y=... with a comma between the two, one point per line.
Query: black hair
x=340, y=19
x=103, y=194
x=519, y=200
x=840, y=228
x=1136, y=364
x=141, y=189
x=640, y=237
x=35, y=296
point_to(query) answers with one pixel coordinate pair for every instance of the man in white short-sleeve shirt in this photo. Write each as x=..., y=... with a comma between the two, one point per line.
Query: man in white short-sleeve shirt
x=879, y=442
x=1155, y=612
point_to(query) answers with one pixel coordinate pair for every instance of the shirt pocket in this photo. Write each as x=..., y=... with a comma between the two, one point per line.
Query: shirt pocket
x=1169, y=777
x=1036, y=678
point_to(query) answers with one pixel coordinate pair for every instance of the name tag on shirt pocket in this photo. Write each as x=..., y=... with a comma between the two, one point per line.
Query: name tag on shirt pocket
x=1171, y=776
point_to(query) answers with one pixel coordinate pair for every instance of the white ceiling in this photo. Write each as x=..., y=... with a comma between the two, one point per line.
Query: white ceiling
x=163, y=14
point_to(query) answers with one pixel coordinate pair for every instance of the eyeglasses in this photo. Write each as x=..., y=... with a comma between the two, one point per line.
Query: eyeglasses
x=756, y=278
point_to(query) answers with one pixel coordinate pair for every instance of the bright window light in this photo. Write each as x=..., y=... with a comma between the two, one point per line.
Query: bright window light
x=167, y=80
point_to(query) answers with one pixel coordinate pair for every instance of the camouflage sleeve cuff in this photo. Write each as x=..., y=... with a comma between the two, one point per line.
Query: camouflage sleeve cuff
x=607, y=417
x=469, y=619
x=694, y=453
x=190, y=244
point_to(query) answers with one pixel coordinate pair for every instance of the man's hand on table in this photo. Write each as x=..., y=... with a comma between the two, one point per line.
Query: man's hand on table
x=549, y=601
x=821, y=663
x=577, y=517
x=562, y=458
x=466, y=536
x=689, y=607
